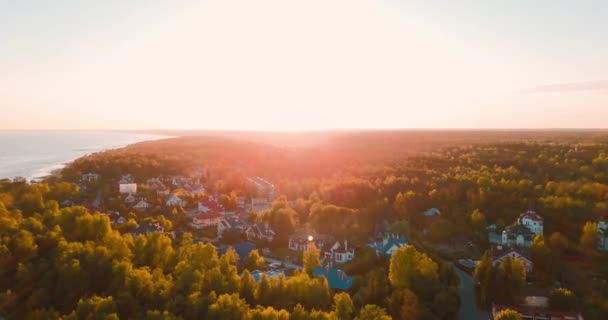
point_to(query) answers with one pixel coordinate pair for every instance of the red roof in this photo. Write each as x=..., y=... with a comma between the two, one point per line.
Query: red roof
x=531, y=215
x=212, y=204
x=208, y=216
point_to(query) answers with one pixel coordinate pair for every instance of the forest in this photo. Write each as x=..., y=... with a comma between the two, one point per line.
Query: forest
x=71, y=263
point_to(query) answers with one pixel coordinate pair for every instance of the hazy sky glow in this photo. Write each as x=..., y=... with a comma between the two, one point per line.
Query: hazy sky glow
x=294, y=65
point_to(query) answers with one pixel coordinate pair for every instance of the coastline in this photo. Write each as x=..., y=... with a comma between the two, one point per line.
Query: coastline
x=37, y=155
x=56, y=169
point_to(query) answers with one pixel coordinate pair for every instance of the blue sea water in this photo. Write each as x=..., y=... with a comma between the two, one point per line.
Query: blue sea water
x=34, y=154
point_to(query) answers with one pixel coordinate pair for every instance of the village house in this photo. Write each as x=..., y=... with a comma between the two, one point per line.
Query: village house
x=209, y=204
x=89, y=177
x=260, y=231
x=125, y=188
x=130, y=198
x=336, y=278
x=602, y=233
x=300, y=239
x=175, y=201
x=115, y=217
x=500, y=253
x=126, y=179
x=522, y=232
x=146, y=229
x=142, y=205
x=340, y=252
x=233, y=225
x=388, y=244
x=432, y=212
x=204, y=220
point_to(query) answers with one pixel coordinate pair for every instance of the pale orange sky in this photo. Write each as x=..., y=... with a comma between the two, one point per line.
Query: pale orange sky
x=297, y=65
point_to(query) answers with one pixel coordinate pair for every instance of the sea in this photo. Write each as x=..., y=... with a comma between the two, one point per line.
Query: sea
x=35, y=154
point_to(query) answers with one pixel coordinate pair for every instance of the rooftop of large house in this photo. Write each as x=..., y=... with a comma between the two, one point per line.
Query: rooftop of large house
x=262, y=229
x=532, y=215
x=234, y=223
x=336, y=278
x=209, y=204
x=388, y=241
x=518, y=229
x=501, y=251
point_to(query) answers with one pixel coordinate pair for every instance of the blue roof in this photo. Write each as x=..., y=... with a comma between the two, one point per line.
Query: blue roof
x=431, y=212
x=336, y=278
x=257, y=274
x=383, y=248
x=242, y=249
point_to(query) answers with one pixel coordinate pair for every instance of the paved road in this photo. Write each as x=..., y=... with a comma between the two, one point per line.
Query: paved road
x=468, y=307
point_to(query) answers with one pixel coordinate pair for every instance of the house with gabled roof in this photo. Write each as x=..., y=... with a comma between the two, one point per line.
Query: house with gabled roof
x=130, y=198
x=336, y=279
x=204, y=220
x=142, y=205
x=501, y=253
x=522, y=232
x=175, y=201
x=232, y=224
x=388, y=244
x=340, y=252
x=260, y=231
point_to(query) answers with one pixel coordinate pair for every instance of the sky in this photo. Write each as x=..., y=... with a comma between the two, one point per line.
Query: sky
x=303, y=65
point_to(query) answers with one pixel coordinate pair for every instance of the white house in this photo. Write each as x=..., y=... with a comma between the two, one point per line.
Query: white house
x=142, y=205
x=90, y=177
x=522, y=232
x=125, y=188
x=340, y=252
x=175, y=201
x=130, y=198
x=532, y=221
x=203, y=220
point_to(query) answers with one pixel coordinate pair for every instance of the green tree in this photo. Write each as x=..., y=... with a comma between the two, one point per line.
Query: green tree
x=589, y=238
x=403, y=305
x=412, y=269
x=228, y=306
x=372, y=312
x=343, y=307
x=311, y=258
x=508, y=314
x=254, y=261
x=562, y=299
x=247, y=287
x=96, y=308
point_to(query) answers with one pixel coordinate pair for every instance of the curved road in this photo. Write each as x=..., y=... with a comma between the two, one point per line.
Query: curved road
x=468, y=307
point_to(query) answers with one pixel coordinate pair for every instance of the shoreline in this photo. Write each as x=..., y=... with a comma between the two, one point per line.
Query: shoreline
x=56, y=169
x=52, y=155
